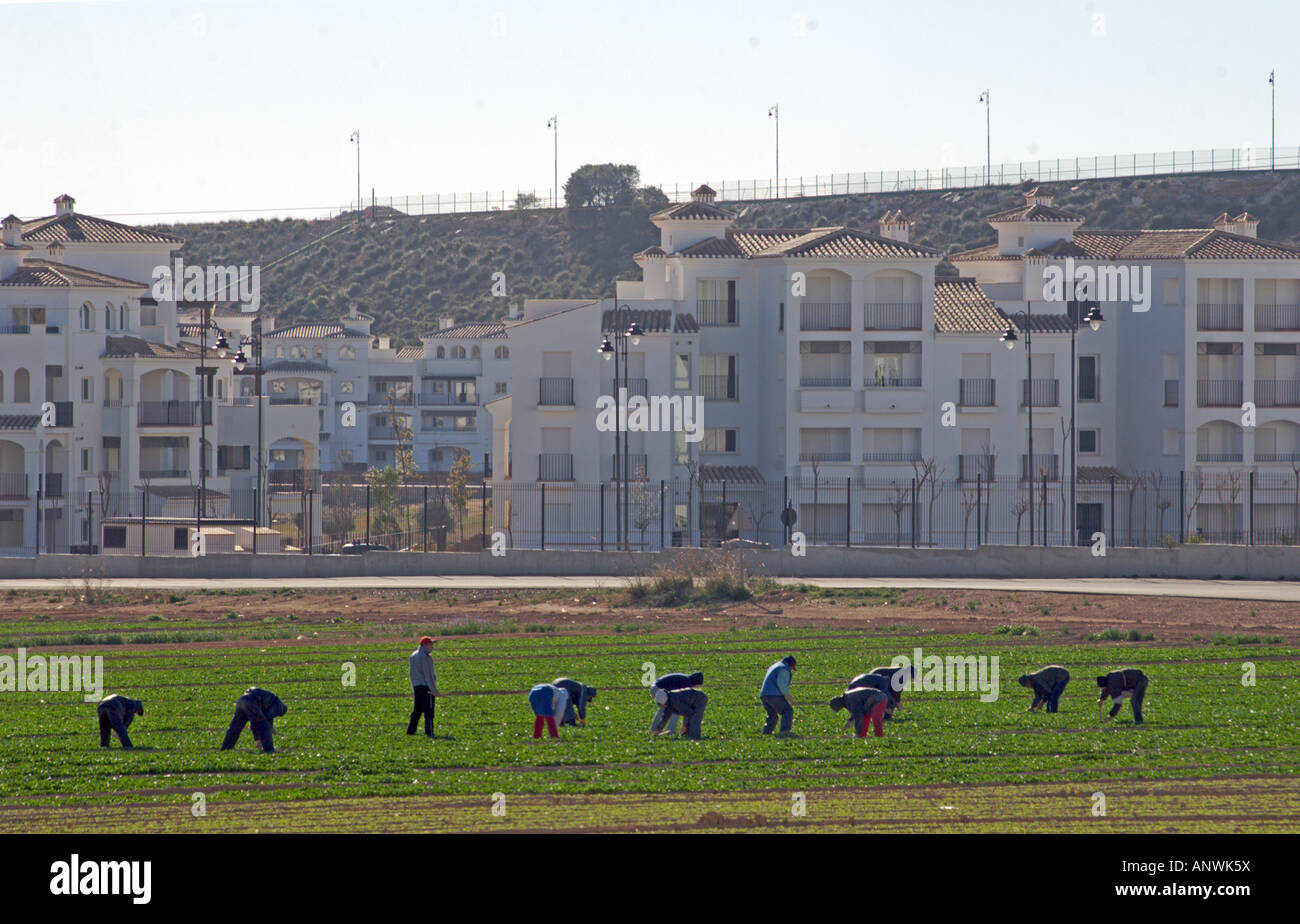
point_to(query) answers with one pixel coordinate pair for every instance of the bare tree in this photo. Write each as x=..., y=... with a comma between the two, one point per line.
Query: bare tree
x=927, y=472
x=1198, y=489
x=1163, y=503
x=1295, y=500
x=1020, y=507
x=1229, y=489
x=900, y=500
x=988, y=468
x=968, y=505
x=1134, y=484
x=645, y=507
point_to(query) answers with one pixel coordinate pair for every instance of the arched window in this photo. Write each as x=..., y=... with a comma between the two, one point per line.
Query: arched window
x=475, y=353
x=347, y=352
x=2, y=387
x=297, y=352
x=22, y=387
x=87, y=317
x=440, y=353
x=279, y=351
x=458, y=352
x=501, y=352
x=121, y=316
x=108, y=317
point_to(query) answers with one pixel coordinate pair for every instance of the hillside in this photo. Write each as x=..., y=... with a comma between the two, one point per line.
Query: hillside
x=408, y=271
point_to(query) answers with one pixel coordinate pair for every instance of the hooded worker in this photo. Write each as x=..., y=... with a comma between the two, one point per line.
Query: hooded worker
x=1048, y=684
x=424, y=687
x=261, y=708
x=689, y=704
x=864, y=703
x=775, y=695
x=115, y=715
x=547, y=700
x=666, y=720
x=575, y=713
x=889, y=680
x=1130, y=684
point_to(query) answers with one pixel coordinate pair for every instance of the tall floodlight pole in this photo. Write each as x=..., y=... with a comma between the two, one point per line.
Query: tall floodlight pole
x=1272, y=142
x=356, y=137
x=775, y=114
x=553, y=123
x=988, y=139
x=1009, y=339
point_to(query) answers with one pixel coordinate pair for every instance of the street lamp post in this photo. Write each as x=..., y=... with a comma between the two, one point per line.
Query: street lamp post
x=553, y=123
x=775, y=114
x=618, y=352
x=988, y=138
x=1272, y=142
x=205, y=394
x=241, y=361
x=1009, y=338
x=1094, y=319
x=356, y=137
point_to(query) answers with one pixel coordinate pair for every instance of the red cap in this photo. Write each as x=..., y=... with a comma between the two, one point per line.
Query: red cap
x=426, y=639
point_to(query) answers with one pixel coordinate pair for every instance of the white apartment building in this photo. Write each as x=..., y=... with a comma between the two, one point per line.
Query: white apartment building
x=850, y=359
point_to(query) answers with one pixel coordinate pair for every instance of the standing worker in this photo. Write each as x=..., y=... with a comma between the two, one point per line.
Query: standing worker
x=261, y=708
x=579, y=696
x=775, y=695
x=424, y=686
x=115, y=715
x=659, y=691
x=1048, y=684
x=863, y=703
x=1130, y=684
x=547, y=699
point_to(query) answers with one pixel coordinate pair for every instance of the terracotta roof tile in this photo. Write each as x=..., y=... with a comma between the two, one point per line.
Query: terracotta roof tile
x=735, y=474
x=19, y=421
x=960, y=306
x=987, y=252
x=74, y=228
x=313, y=331
x=652, y=320
x=695, y=210
x=471, y=330
x=139, y=347
x=49, y=274
x=1034, y=212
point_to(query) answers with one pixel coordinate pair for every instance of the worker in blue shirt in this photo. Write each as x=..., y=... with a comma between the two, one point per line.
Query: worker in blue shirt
x=775, y=695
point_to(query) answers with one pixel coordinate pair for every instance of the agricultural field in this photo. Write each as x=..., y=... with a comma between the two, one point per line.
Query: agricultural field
x=1213, y=754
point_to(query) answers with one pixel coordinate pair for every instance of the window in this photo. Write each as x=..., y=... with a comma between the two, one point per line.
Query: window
x=2, y=387
x=317, y=351
x=458, y=352
x=114, y=537
x=475, y=353
x=719, y=439
x=297, y=352
x=681, y=452
x=502, y=387
x=22, y=387
x=780, y=317
x=682, y=372
x=440, y=353
x=345, y=455
x=345, y=387
x=1089, y=381
x=87, y=317
x=1020, y=241
x=121, y=316
x=347, y=352
x=108, y=317
x=87, y=459
x=1088, y=442
x=1171, y=293
x=180, y=538
x=279, y=351
x=87, y=390
x=501, y=352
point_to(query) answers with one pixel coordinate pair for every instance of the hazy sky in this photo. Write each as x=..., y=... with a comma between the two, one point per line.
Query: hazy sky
x=153, y=105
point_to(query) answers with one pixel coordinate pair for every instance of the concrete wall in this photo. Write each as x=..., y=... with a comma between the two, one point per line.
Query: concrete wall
x=1191, y=561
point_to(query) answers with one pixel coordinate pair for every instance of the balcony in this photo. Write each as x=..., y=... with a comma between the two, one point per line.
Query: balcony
x=296, y=401
x=51, y=484
x=1277, y=392
x=891, y=382
x=13, y=484
x=1219, y=316
x=717, y=312
x=447, y=399
x=973, y=465
x=1040, y=392
x=297, y=480
x=976, y=392
x=153, y=474
x=824, y=316
x=719, y=387
x=825, y=456
x=1219, y=455
x=894, y=457
x=385, y=398
x=635, y=387
x=388, y=434
x=171, y=413
x=1288, y=456
x=555, y=392
x=1218, y=392
x=15, y=329
x=1277, y=317
x=1171, y=392
x=555, y=466
x=825, y=381
x=1043, y=464
x=638, y=466
x=892, y=316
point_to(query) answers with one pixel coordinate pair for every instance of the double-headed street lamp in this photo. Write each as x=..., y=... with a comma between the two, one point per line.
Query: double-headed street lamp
x=1094, y=319
x=240, y=362
x=617, y=351
x=205, y=394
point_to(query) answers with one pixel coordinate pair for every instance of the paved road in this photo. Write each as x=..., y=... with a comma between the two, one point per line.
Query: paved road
x=1282, y=591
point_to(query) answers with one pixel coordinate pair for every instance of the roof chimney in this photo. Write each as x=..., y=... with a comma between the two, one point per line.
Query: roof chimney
x=54, y=252
x=704, y=193
x=896, y=227
x=1245, y=224
x=63, y=205
x=11, y=231
x=445, y=321
x=1039, y=195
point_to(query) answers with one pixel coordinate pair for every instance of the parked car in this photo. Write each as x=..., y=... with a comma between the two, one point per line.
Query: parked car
x=361, y=548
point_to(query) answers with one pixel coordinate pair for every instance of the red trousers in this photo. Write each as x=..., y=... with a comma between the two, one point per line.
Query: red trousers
x=876, y=717
x=548, y=721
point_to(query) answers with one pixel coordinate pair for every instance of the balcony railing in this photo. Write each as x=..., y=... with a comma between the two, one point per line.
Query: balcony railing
x=891, y=382
x=1219, y=316
x=824, y=316
x=638, y=466
x=13, y=484
x=156, y=473
x=385, y=398
x=825, y=381
x=1043, y=464
x=825, y=456
x=1283, y=456
x=976, y=392
x=1277, y=392
x=1277, y=317
x=555, y=392
x=555, y=466
x=892, y=316
x=634, y=387
x=15, y=329
x=297, y=401
x=717, y=312
x=719, y=387
x=1088, y=388
x=293, y=479
x=1218, y=392
x=900, y=455
x=970, y=465
x=1219, y=455
x=171, y=413
x=51, y=484
x=1171, y=392
x=1040, y=392
x=446, y=399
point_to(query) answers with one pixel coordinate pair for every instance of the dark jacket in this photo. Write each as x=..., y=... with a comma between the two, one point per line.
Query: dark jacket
x=120, y=709
x=264, y=700
x=579, y=694
x=1045, y=680
x=878, y=682
x=859, y=700
x=1122, y=681
x=679, y=681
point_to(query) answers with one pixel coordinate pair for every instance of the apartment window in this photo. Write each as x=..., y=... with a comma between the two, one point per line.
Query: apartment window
x=780, y=317
x=1089, y=380
x=718, y=439
x=347, y=352
x=1088, y=442
x=108, y=317
x=1171, y=442
x=440, y=353
x=87, y=459
x=345, y=455
x=87, y=390
x=381, y=455
x=317, y=352
x=114, y=537
x=458, y=352
x=681, y=449
x=279, y=351
x=121, y=316
x=1020, y=241
x=345, y=388
x=87, y=317
x=682, y=372
x=502, y=387
x=1171, y=292
x=475, y=353
x=180, y=538
x=501, y=352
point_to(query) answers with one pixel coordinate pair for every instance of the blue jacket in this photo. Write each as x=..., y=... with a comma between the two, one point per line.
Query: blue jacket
x=776, y=682
x=542, y=699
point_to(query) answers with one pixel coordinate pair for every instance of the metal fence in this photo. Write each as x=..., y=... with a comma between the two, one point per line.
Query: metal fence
x=1158, y=508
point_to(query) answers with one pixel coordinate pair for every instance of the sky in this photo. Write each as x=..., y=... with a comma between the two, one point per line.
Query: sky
x=154, y=108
